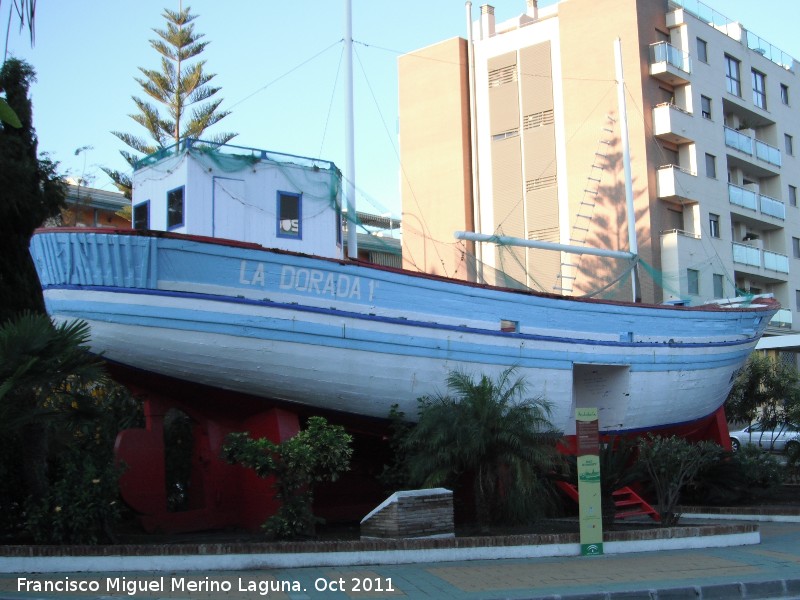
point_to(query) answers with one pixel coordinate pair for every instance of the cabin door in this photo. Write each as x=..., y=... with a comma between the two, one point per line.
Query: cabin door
x=605, y=387
x=232, y=218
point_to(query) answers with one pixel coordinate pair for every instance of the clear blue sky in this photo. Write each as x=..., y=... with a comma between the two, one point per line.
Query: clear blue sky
x=278, y=64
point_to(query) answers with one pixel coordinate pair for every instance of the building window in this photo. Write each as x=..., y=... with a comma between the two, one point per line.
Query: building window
x=141, y=215
x=175, y=208
x=785, y=94
x=719, y=286
x=732, y=77
x=705, y=107
x=702, y=50
x=711, y=166
x=792, y=195
x=788, y=142
x=713, y=225
x=693, y=278
x=796, y=247
x=797, y=299
x=759, y=89
x=289, y=215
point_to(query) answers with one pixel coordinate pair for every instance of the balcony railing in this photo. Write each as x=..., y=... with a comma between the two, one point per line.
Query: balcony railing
x=744, y=143
x=782, y=318
x=739, y=141
x=746, y=255
x=776, y=262
x=768, y=153
x=772, y=207
x=742, y=197
x=762, y=259
x=734, y=30
x=664, y=52
x=757, y=202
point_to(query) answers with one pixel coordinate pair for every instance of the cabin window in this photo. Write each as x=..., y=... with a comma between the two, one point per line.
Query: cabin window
x=141, y=215
x=509, y=326
x=175, y=208
x=290, y=212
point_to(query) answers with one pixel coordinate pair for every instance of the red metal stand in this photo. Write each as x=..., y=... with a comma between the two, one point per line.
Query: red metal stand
x=219, y=495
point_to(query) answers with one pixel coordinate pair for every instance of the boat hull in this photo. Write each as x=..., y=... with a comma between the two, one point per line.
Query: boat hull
x=352, y=338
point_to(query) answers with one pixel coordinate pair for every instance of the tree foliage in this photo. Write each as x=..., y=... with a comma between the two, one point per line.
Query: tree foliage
x=488, y=431
x=30, y=192
x=766, y=387
x=319, y=453
x=58, y=420
x=181, y=86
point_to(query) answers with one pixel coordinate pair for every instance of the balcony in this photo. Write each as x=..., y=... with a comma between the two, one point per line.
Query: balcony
x=672, y=124
x=678, y=185
x=768, y=157
x=761, y=260
x=767, y=153
x=740, y=196
x=731, y=28
x=772, y=207
x=738, y=141
x=782, y=319
x=669, y=64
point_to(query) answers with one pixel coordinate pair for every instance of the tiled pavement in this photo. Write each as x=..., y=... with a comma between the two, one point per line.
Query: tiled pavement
x=767, y=570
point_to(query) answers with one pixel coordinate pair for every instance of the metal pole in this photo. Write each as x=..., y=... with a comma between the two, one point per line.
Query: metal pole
x=476, y=193
x=512, y=241
x=626, y=159
x=350, y=177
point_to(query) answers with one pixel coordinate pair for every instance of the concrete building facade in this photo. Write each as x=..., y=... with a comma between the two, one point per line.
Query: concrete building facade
x=714, y=138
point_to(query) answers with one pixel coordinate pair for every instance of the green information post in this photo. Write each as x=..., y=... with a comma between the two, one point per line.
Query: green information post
x=589, y=500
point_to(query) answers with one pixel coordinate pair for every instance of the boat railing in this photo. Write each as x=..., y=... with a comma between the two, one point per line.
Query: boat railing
x=188, y=144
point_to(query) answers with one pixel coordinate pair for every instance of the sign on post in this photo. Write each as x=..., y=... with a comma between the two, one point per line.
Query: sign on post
x=590, y=507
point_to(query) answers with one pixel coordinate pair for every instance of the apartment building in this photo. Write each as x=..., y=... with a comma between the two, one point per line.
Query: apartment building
x=518, y=131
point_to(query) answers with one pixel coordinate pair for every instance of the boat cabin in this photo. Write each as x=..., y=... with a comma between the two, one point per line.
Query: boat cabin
x=244, y=194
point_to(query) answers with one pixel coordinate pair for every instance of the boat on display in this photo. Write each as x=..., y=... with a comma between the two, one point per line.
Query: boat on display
x=235, y=278
x=356, y=338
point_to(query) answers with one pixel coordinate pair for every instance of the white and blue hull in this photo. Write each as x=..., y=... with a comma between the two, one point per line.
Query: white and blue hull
x=356, y=339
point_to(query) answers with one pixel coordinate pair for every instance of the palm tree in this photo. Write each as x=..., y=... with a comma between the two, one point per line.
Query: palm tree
x=40, y=364
x=181, y=86
x=489, y=431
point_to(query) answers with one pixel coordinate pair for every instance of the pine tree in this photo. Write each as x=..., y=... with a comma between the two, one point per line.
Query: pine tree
x=30, y=191
x=181, y=86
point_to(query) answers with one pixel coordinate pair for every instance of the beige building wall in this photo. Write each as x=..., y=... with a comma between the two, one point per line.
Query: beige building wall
x=714, y=172
x=435, y=155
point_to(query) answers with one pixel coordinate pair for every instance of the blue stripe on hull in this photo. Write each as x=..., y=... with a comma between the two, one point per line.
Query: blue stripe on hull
x=517, y=349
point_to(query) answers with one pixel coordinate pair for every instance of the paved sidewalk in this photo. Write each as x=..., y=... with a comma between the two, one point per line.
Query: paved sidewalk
x=767, y=570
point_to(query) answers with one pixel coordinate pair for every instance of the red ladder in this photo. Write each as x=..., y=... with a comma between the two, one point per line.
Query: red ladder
x=628, y=502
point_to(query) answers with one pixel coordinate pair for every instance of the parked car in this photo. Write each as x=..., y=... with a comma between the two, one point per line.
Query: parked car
x=783, y=437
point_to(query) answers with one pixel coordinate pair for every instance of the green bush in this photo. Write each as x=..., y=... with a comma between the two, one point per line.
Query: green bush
x=747, y=475
x=320, y=452
x=672, y=464
x=81, y=505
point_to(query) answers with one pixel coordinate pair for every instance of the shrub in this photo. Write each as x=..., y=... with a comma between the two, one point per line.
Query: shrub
x=321, y=452
x=486, y=431
x=747, y=475
x=671, y=464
